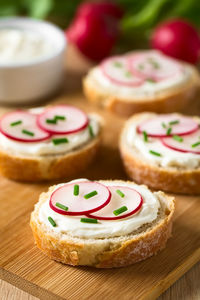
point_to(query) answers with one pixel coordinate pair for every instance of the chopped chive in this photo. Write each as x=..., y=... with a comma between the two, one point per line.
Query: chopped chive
x=117, y=64
x=164, y=125
x=58, y=117
x=51, y=121
x=174, y=122
x=140, y=66
x=91, y=132
x=150, y=80
x=177, y=138
x=90, y=195
x=60, y=141
x=88, y=220
x=145, y=136
x=76, y=190
x=61, y=206
x=155, y=153
x=53, y=223
x=28, y=132
x=128, y=74
x=195, y=144
x=120, y=193
x=16, y=123
x=120, y=210
x=169, y=130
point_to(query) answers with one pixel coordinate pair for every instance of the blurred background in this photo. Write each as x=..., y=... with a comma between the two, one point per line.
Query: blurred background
x=125, y=25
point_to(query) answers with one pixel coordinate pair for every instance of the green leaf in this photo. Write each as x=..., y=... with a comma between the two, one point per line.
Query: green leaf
x=38, y=8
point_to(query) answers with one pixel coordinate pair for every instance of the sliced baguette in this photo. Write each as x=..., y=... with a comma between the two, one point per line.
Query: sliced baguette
x=105, y=252
x=174, y=99
x=48, y=167
x=138, y=168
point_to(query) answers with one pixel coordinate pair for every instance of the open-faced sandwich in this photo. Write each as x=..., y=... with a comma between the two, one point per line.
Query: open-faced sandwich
x=142, y=81
x=163, y=151
x=47, y=143
x=103, y=224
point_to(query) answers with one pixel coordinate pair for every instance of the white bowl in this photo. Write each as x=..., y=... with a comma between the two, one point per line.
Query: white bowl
x=29, y=81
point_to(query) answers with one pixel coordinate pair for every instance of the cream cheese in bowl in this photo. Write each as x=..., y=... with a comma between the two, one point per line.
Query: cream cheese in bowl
x=31, y=59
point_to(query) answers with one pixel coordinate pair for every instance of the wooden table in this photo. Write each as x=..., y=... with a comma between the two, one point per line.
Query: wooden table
x=187, y=288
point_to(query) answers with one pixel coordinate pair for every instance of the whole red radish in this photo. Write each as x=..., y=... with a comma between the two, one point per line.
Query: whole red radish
x=179, y=39
x=95, y=29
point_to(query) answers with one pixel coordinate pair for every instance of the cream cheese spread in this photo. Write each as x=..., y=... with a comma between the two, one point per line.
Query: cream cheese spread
x=46, y=147
x=147, y=89
x=20, y=46
x=168, y=158
x=103, y=229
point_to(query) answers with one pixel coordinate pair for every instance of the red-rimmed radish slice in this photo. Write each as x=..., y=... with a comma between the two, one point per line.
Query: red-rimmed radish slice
x=158, y=126
x=68, y=119
x=129, y=198
x=21, y=126
x=116, y=69
x=188, y=143
x=79, y=205
x=153, y=66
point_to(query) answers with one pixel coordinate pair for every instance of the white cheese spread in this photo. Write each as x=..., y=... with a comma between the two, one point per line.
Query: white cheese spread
x=168, y=158
x=47, y=147
x=21, y=46
x=104, y=229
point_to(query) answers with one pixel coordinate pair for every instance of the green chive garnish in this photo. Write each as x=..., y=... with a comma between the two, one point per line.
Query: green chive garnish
x=169, y=130
x=91, y=194
x=155, y=153
x=117, y=64
x=128, y=74
x=51, y=121
x=145, y=136
x=60, y=141
x=174, y=122
x=164, y=125
x=120, y=210
x=195, y=145
x=140, y=67
x=150, y=80
x=88, y=220
x=53, y=223
x=58, y=117
x=28, y=132
x=16, y=123
x=91, y=132
x=61, y=206
x=120, y=193
x=76, y=190
x=177, y=138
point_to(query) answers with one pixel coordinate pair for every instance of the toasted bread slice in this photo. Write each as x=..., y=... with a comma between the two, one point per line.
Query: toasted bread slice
x=174, y=178
x=175, y=98
x=107, y=252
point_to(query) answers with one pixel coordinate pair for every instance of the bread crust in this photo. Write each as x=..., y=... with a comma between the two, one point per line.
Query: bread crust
x=39, y=168
x=167, y=179
x=173, y=100
x=103, y=253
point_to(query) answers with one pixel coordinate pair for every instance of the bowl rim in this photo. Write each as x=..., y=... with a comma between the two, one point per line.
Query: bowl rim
x=29, y=21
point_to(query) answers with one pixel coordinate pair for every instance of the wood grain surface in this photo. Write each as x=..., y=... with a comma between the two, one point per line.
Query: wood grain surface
x=23, y=265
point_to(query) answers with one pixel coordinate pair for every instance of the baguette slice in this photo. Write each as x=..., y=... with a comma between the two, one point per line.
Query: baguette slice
x=170, y=100
x=49, y=167
x=105, y=252
x=138, y=168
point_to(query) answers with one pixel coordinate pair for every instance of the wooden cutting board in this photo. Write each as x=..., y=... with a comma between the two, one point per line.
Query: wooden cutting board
x=23, y=265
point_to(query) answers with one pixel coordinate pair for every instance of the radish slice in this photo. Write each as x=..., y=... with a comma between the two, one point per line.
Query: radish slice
x=22, y=126
x=158, y=126
x=153, y=66
x=116, y=69
x=62, y=119
x=78, y=205
x=130, y=199
x=189, y=143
